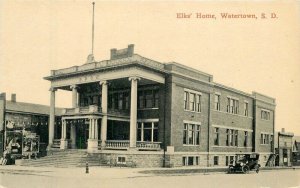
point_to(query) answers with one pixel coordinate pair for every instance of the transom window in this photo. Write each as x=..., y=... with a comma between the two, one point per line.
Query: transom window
x=191, y=134
x=147, y=131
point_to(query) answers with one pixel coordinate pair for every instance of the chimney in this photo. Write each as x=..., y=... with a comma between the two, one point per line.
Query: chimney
x=283, y=130
x=13, y=97
x=3, y=96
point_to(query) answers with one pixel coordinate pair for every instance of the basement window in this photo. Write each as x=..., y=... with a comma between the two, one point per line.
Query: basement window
x=121, y=160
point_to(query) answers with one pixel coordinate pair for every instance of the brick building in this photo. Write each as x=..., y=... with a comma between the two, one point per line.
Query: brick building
x=17, y=117
x=131, y=108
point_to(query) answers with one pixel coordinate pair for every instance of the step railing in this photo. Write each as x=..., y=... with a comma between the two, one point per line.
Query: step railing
x=117, y=144
x=144, y=145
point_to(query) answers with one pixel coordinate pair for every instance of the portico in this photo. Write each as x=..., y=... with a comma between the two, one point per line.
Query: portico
x=102, y=92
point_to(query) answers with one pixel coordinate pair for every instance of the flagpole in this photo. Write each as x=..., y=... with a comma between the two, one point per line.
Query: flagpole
x=93, y=29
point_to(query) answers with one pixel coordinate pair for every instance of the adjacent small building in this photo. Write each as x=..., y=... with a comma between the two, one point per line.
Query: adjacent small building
x=18, y=118
x=296, y=151
x=284, y=147
x=132, y=108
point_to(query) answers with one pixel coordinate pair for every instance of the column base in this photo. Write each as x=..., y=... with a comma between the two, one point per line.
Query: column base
x=103, y=144
x=49, y=147
x=92, y=145
x=63, y=144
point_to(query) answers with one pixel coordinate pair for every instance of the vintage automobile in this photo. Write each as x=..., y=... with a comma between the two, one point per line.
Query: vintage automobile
x=244, y=163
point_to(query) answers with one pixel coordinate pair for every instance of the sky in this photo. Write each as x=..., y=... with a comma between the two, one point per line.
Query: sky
x=247, y=54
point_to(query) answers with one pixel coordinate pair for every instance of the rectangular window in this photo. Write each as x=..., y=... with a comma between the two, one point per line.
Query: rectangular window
x=267, y=139
x=186, y=99
x=120, y=102
x=191, y=134
x=217, y=102
x=264, y=139
x=236, y=138
x=227, y=161
x=184, y=161
x=126, y=100
x=141, y=100
x=115, y=100
x=216, y=137
x=246, y=108
x=198, y=106
x=232, y=105
x=190, y=160
x=147, y=131
x=121, y=160
x=229, y=141
x=192, y=101
x=246, y=139
x=156, y=98
x=216, y=160
x=185, y=133
x=265, y=115
x=149, y=98
x=197, y=161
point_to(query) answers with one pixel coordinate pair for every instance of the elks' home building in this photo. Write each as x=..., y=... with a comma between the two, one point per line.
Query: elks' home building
x=131, y=108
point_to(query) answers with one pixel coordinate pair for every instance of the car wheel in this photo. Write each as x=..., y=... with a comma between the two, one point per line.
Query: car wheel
x=245, y=169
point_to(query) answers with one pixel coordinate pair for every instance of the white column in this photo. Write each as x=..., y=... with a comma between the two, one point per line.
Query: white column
x=133, y=111
x=51, y=117
x=92, y=142
x=104, y=112
x=90, y=128
x=63, y=140
x=96, y=129
x=74, y=96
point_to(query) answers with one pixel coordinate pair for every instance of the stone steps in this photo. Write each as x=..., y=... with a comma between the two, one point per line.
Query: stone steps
x=64, y=159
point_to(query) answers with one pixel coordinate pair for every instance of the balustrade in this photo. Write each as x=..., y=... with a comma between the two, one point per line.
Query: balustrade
x=117, y=144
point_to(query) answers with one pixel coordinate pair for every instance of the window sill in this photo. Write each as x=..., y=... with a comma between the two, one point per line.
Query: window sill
x=148, y=108
x=192, y=111
x=191, y=145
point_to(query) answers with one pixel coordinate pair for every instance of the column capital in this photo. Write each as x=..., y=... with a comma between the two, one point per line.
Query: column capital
x=73, y=86
x=53, y=89
x=134, y=78
x=103, y=82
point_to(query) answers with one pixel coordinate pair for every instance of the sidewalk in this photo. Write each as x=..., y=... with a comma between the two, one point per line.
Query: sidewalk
x=118, y=173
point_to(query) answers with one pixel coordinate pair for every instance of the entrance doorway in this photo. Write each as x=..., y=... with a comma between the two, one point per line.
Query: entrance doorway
x=82, y=132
